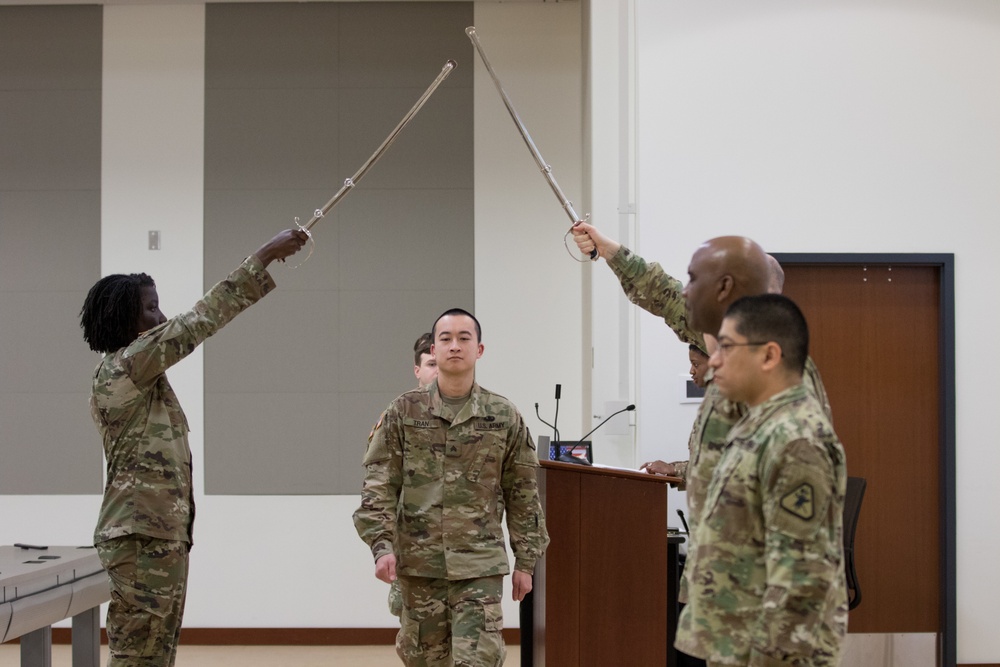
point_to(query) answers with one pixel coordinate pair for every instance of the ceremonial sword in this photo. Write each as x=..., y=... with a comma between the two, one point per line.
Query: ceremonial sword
x=349, y=183
x=567, y=205
x=370, y=162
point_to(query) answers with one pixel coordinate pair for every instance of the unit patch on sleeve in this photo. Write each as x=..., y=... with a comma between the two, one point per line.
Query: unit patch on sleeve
x=800, y=502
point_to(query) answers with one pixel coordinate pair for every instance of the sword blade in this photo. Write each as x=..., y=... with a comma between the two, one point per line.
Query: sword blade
x=546, y=170
x=370, y=162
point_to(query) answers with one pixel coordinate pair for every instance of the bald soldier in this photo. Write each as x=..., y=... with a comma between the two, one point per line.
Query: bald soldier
x=721, y=271
x=775, y=283
x=766, y=586
x=444, y=465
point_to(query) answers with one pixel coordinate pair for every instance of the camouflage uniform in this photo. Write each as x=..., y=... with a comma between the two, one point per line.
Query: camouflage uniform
x=395, y=599
x=471, y=636
x=652, y=289
x=767, y=582
x=148, y=581
x=149, y=490
x=436, y=488
x=649, y=287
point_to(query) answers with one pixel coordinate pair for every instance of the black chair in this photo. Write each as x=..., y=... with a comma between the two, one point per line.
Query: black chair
x=852, y=508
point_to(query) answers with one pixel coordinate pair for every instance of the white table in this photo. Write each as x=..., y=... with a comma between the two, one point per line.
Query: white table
x=39, y=587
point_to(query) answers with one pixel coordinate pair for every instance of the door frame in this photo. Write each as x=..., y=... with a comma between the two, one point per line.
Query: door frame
x=945, y=262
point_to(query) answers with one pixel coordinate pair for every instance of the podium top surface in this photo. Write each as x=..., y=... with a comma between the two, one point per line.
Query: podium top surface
x=26, y=571
x=608, y=471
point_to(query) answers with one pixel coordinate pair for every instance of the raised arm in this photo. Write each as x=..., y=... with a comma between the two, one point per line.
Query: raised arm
x=283, y=245
x=158, y=349
x=588, y=238
x=646, y=285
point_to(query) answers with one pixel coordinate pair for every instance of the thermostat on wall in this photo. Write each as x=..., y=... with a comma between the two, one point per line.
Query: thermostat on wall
x=690, y=392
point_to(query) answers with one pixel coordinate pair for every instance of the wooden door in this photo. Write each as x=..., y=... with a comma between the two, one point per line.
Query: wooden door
x=875, y=336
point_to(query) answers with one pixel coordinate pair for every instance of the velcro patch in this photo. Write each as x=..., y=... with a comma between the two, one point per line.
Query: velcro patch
x=376, y=427
x=800, y=502
x=491, y=426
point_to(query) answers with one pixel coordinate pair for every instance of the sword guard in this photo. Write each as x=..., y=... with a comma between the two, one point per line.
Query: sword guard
x=319, y=214
x=593, y=253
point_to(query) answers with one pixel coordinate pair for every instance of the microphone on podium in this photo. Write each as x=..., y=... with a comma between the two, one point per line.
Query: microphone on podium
x=684, y=521
x=567, y=457
x=543, y=421
x=555, y=429
x=555, y=420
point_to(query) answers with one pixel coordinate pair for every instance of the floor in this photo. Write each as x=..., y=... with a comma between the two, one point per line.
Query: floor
x=255, y=656
x=859, y=651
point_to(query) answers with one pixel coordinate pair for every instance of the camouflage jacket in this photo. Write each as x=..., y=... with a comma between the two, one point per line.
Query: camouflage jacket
x=145, y=432
x=709, y=437
x=437, y=485
x=650, y=288
x=767, y=577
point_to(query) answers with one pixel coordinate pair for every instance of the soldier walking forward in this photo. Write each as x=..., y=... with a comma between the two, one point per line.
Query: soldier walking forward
x=443, y=465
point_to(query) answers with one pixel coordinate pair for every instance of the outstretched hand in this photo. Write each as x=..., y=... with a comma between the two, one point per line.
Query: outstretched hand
x=588, y=239
x=284, y=244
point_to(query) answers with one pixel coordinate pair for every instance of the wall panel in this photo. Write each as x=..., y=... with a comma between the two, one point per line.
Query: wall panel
x=298, y=96
x=50, y=208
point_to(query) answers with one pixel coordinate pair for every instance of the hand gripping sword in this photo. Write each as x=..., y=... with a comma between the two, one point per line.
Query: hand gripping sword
x=567, y=205
x=349, y=183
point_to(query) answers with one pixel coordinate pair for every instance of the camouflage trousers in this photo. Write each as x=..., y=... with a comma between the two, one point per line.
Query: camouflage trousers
x=447, y=623
x=395, y=599
x=148, y=586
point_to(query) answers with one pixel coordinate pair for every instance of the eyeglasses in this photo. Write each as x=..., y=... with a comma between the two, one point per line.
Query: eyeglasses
x=724, y=348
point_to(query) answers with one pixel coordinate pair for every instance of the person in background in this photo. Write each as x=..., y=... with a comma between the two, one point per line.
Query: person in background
x=144, y=530
x=424, y=363
x=699, y=365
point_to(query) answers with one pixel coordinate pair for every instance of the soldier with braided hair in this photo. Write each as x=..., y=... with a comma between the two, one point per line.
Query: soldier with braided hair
x=144, y=530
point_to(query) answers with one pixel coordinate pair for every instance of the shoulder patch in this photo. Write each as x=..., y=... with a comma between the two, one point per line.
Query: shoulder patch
x=376, y=427
x=799, y=502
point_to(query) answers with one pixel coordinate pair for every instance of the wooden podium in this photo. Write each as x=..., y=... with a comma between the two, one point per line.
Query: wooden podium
x=604, y=589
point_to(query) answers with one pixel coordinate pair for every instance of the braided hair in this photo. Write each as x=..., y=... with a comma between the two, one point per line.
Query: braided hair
x=110, y=314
